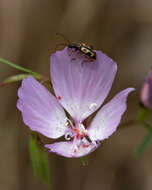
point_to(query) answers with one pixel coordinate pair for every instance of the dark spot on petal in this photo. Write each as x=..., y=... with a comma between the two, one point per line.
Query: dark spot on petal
x=59, y=97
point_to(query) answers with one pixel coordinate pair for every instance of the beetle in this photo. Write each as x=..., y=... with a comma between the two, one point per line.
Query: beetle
x=83, y=48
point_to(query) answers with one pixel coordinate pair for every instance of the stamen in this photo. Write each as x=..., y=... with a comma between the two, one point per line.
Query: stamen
x=70, y=122
x=85, y=143
x=93, y=105
x=77, y=132
x=82, y=126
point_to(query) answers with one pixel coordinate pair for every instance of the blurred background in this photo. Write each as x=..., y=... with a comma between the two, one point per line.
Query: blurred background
x=122, y=30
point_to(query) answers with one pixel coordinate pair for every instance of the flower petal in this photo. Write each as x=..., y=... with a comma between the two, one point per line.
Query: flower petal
x=40, y=109
x=81, y=86
x=108, y=117
x=67, y=149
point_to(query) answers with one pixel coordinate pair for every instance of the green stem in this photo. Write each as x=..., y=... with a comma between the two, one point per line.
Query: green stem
x=143, y=145
x=17, y=66
x=84, y=160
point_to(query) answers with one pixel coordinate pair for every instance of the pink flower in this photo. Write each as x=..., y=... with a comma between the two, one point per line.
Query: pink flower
x=80, y=89
x=146, y=92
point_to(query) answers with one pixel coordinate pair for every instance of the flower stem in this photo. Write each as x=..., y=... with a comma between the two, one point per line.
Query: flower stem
x=17, y=66
x=84, y=161
x=143, y=145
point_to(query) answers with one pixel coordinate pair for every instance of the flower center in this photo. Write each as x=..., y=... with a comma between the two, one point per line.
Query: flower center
x=78, y=135
x=75, y=132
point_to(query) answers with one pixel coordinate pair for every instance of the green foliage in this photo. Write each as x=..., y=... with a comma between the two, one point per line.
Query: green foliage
x=40, y=161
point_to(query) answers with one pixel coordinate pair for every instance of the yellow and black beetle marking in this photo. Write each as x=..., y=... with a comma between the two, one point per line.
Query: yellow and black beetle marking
x=83, y=48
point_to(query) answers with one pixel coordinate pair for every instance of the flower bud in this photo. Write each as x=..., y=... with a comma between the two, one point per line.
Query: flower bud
x=146, y=92
x=19, y=77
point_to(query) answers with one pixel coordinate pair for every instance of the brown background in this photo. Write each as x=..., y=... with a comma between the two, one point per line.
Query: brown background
x=120, y=28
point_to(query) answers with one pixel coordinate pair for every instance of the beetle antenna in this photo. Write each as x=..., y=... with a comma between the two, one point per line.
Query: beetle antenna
x=65, y=39
x=58, y=45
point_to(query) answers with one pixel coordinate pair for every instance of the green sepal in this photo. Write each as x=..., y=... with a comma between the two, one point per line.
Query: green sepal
x=40, y=161
x=84, y=161
x=142, y=115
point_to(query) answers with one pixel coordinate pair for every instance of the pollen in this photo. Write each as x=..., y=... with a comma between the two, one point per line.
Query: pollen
x=93, y=105
x=59, y=97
